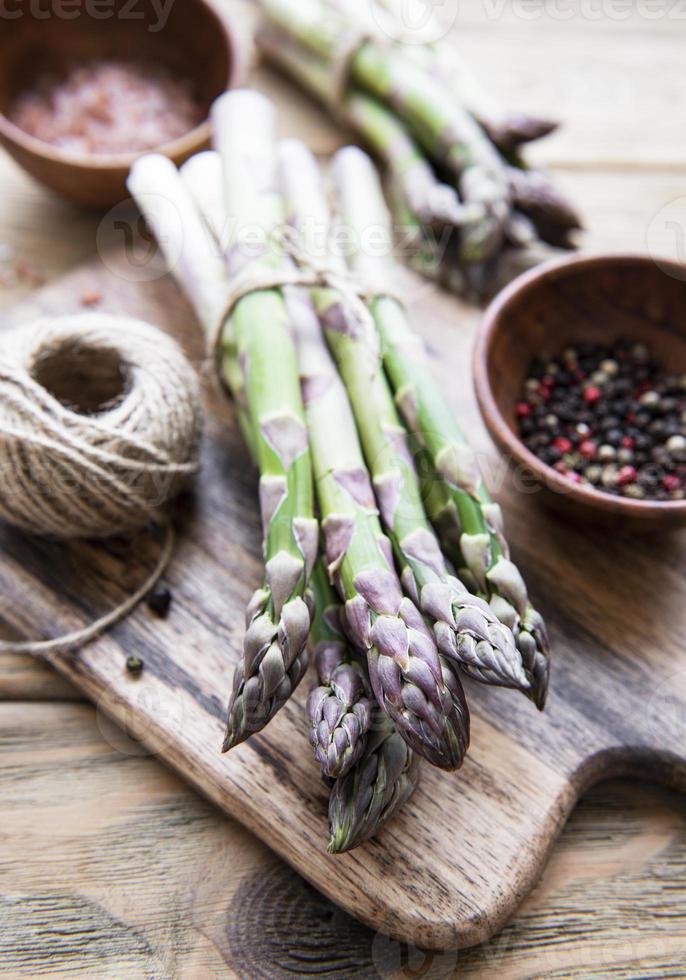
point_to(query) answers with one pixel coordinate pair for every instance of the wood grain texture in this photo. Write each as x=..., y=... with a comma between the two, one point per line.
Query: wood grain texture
x=446, y=883
x=25, y=678
x=112, y=867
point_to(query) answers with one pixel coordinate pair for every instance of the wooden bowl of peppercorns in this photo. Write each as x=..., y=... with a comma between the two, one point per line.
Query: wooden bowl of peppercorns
x=580, y=374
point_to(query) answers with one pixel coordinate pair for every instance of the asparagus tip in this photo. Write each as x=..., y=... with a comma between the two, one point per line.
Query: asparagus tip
x=232, y=739
x=337, y=844
x=539, y=693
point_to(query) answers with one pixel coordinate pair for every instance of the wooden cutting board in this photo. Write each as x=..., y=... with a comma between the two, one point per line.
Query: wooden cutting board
x=453, y=866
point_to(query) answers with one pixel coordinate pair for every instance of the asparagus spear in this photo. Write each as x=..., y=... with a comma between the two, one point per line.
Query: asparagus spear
x=260, y=340
x=365, y=798
x=340, y=704
x=257, y=335
x=484, y=563
x=376, y=771
x=410, y=681
x=188, y=245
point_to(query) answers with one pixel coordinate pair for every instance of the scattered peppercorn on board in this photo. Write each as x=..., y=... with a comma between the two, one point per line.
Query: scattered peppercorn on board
x=456, y=862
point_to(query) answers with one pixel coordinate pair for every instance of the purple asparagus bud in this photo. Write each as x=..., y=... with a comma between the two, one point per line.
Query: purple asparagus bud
x=340, y=703
x=413, y=683
x=533, y=193
x=512, y=130
x=362, y=801
x=274, y=662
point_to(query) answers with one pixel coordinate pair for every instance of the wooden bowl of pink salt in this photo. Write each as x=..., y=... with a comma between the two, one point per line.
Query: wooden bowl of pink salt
x=83, y=95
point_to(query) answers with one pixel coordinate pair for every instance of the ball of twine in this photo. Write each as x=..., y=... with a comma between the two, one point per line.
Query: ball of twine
x=100, y=422
x=99, y=425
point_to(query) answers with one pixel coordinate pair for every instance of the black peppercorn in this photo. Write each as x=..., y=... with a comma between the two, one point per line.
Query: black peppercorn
x=134, y=665
x=159, y=601
x=614, y=437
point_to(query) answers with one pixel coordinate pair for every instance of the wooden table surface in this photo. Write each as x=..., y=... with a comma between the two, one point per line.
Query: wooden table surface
x=111, y=867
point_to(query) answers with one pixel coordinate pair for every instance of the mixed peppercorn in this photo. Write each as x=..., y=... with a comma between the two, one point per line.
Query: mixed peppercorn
x=608, y=417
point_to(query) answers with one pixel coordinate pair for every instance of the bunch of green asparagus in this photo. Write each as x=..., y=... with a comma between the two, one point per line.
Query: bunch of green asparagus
x=337, y=405
x=467, y=210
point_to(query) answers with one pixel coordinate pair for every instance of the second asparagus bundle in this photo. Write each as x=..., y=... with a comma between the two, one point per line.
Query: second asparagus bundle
x=467, y=209
x=335, y=405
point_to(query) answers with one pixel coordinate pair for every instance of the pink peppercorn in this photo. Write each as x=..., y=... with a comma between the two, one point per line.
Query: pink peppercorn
x=628, y=442
x=671, y=482
x=588, y=449
x=592, y=395
x=523, y=410
x=626, y=475
x=563, y=444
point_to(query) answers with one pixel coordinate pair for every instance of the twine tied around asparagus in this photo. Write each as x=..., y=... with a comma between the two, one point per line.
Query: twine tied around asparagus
x=342, y=66
x=302, y=270
x=99, y=428
x=344, y=59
